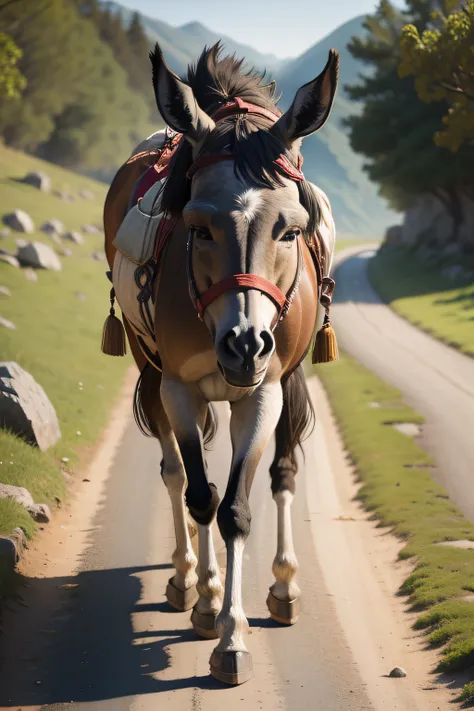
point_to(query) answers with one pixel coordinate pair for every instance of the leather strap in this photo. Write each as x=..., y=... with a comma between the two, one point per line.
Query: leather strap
x=239, y=106
x=243, y=281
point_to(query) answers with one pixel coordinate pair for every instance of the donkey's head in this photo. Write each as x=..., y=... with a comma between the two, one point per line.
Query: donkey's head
x=237, y=183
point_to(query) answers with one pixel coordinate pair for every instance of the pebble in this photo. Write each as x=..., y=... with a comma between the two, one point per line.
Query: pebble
x=398, y=672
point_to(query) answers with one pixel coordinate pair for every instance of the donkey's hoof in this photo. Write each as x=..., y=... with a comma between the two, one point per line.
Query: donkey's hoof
x=231, y=667
x=204, y=625
x=286, y=612
x=181, y=600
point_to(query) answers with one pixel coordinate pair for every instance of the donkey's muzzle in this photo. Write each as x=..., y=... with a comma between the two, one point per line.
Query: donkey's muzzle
x=244, y=355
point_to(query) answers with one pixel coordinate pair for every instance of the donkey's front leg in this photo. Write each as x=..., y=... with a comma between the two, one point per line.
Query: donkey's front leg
x=253, y=422
x=186, y=410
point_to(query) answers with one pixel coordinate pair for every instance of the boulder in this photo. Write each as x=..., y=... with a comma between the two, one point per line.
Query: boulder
x=38, y=180
x=25, y=408
x=53, y=227
x=20, y=242
x=4, y=232
x=66, y=252
x=393, y=234
x=10, y=259
x=19, y=221
x=12, y=547
x=5, y=291
x=86, y=194
x=40, y=512
x=90, y=229
x=75, y=237
x=99, y=256
x=40, y=256
x=7, y=324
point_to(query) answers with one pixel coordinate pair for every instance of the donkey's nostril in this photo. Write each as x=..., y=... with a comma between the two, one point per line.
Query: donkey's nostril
x=268, y=343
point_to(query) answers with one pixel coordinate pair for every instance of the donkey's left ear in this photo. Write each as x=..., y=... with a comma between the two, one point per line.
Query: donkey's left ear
x=176, y=102
x=312, y=104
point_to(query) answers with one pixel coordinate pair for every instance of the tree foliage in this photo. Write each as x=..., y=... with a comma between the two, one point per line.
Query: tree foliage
x=12, y=82
x=78, y=107
x=395, y=129
x=442, y=60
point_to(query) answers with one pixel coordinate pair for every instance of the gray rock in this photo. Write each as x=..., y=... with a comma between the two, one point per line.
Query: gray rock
x=38, y=180
x=393, y=234
x=30, y=274
x=5, y=291
x=4, y=232
x=454, y=272
x=40, y=512
x=7, y=324
x=90, y=229
x=19, y=221
x=79, y=296
x=66, y=252
x=452, y=249
x=12, y=547
x=75, y=237
x=398, y=672
x=20, y=242
x=53, y=227
x=25, y=408
x=99, y=256
x=86, y=194
x=10, y=259
x=55, y=239
x=40, y=256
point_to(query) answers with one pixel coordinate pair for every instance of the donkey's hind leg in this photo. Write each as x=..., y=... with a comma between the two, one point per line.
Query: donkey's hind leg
x=283, y=598
x=181, y=591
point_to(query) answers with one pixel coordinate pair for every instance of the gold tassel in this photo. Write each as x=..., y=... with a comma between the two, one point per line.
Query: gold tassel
x=113, y=335
x=325, y=345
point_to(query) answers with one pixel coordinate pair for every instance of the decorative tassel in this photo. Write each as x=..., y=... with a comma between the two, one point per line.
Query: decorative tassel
x=113, y=335
x=325, y=345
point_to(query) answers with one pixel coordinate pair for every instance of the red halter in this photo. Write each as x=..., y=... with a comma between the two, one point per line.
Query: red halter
x=244, y=281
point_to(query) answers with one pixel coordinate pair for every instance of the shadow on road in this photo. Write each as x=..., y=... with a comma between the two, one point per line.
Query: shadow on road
x=89, y=651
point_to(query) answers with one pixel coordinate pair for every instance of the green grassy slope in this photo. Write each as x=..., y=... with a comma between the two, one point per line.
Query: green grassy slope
x=422, y=294
x=397, y=487
x=57, y=336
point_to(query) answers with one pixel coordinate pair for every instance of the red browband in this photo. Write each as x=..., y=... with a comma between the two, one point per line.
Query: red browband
x=233, y=108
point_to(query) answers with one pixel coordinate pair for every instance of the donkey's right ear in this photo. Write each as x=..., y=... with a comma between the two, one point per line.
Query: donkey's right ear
x=176, y=102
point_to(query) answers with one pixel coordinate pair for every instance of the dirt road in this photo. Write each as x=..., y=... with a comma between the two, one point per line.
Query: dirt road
x=435, y=379
x=93, y=631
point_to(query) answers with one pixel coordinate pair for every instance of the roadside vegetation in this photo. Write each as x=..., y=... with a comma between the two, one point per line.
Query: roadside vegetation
x=424, y=294
x=397, y=487
x=58, y=321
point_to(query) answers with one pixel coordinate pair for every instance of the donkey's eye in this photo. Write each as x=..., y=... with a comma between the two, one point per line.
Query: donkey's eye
x=290, y=236
x=201, y=232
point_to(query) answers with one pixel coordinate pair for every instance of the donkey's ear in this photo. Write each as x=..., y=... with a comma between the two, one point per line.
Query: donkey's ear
x=176, y=102
x=312, y=104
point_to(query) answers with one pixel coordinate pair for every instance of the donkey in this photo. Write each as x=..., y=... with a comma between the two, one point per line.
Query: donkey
x=236, y=297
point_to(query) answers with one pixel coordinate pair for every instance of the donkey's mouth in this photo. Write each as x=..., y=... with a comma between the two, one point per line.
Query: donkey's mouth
x=241, y=379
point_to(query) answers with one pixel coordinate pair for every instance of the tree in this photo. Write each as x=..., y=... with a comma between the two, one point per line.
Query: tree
x=395, y=129
x=77, y=108
x=442, y=60
x=12, y=82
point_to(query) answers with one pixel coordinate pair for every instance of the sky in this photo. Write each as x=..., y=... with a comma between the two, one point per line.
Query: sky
x=282, y=27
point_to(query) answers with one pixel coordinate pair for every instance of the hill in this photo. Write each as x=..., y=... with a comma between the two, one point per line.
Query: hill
x=330, y=162
x=58, y=320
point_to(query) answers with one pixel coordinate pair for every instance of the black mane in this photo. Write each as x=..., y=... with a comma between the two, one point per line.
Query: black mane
x=215, y=81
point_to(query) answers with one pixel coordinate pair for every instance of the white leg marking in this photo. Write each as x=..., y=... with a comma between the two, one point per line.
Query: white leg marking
x=232, y=624
x=174, y=477
x=285, y=564
x=209, y=582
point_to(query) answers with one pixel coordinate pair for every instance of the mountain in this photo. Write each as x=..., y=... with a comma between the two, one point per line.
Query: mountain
x=182, y=45
x=329, y=161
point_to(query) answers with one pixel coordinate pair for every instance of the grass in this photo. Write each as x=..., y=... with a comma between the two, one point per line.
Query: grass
x=422, y=295
x=344, y=242
x=396, y=486
x=57, y=336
